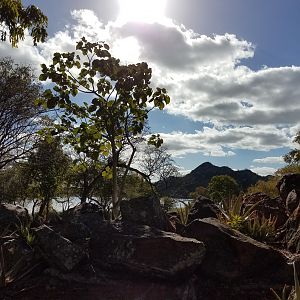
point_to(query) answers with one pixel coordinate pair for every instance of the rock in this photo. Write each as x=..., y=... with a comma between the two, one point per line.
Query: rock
x=17, y=255
x=203, y=208
x=292, y=201
x=291, y=232
x=57, y=250
x=231, y=255
x=268, y=207
x=288, y=183
x=144, y=211
x=145, y=250
x=84, y=218
x=12, y=216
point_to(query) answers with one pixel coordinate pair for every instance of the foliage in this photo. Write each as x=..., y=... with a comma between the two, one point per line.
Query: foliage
x=183, y=211
x=46, y=168
x=199, y=191
x=136, y=186
x=233, y=213
x=15, y=18
x=222, y=187
x=294, y=295
x=267, y=187
x=157, y=163
x=167, y=203
x=246, y=220
x=14, y=183
x=120, y=99
x=26, y=233
x=292, y=168
x=293, y=157
x=261, y=229
x=18, y=114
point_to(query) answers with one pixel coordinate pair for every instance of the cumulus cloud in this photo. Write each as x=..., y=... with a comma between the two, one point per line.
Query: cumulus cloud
x=263, y=171
x=205, y=77
x=269, y=160
x=213, y=141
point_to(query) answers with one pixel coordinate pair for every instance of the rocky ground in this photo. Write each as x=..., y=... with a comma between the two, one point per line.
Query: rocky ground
x=79, y=255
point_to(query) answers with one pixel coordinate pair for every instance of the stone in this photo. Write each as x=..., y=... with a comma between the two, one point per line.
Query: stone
x=268, y=207
x=291, y=232
x=144, y=250
x=231, y=255
x=18, y=256
x=292, y=201
x=288, y=183
x=57, y=250
x=85, y=218
x=203, y=208
x=12, y=216
x=144, y=211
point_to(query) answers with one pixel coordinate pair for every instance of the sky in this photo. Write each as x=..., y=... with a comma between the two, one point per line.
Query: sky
x=231, y=68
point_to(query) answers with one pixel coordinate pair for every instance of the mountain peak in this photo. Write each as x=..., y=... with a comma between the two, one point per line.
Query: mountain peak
x=180, y=187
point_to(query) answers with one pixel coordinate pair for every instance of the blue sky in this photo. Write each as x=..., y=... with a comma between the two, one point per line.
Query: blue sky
x=231, y=68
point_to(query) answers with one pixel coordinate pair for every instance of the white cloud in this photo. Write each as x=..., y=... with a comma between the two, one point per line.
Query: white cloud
x=263, y=171
x=205, y=77
x=269, y=160
x=212, y=141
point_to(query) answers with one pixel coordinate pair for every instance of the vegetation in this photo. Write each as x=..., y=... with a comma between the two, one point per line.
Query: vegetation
x=15, y=19
x=120, y=99
x=18, y=114
x=268, y=187
x=222, y=187
x=293, y=157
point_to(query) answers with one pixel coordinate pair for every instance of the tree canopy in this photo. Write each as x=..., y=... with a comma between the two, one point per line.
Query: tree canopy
x=18, y=113
x=15, y=19
x=120, y=98
x=293, y=157
x=222, y=187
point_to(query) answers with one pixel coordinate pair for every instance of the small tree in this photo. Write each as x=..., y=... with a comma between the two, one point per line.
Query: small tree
x=293, y=157
x=15, y=19
x=47, y=166
x=18, y=114
x=120, y=99
x=222, y=187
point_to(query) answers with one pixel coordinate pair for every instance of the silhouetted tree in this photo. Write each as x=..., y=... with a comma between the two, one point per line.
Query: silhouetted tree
x=18, y=114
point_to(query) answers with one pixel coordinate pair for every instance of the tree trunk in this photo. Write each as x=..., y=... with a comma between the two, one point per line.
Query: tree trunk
x=115, y=188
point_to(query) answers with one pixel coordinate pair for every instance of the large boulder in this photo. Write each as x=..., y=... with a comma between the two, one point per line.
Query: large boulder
x=288, y=183
x=57, y=250
x=203, y=208
x=144, y=211
x=291, y=232
x=292, y=200
x=267, y=207
x=12, y=216
x=144, y=250
x=231, y=255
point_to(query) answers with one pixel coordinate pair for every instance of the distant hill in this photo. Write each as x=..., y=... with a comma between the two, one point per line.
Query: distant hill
x=180, y=187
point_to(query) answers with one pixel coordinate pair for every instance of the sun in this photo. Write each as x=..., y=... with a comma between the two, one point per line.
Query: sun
x=148, y=11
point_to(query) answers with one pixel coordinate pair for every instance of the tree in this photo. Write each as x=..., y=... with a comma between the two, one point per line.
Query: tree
x=18, y=113
x=120, y=99
x=46, y=167
x=15, y=19
x=222, y=187
x=293, y=157
x=14, y=182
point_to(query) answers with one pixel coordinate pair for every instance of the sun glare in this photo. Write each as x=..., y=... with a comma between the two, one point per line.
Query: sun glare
x=148, y=11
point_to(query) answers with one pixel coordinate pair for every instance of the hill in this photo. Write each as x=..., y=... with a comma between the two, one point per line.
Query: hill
x=180, y=187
